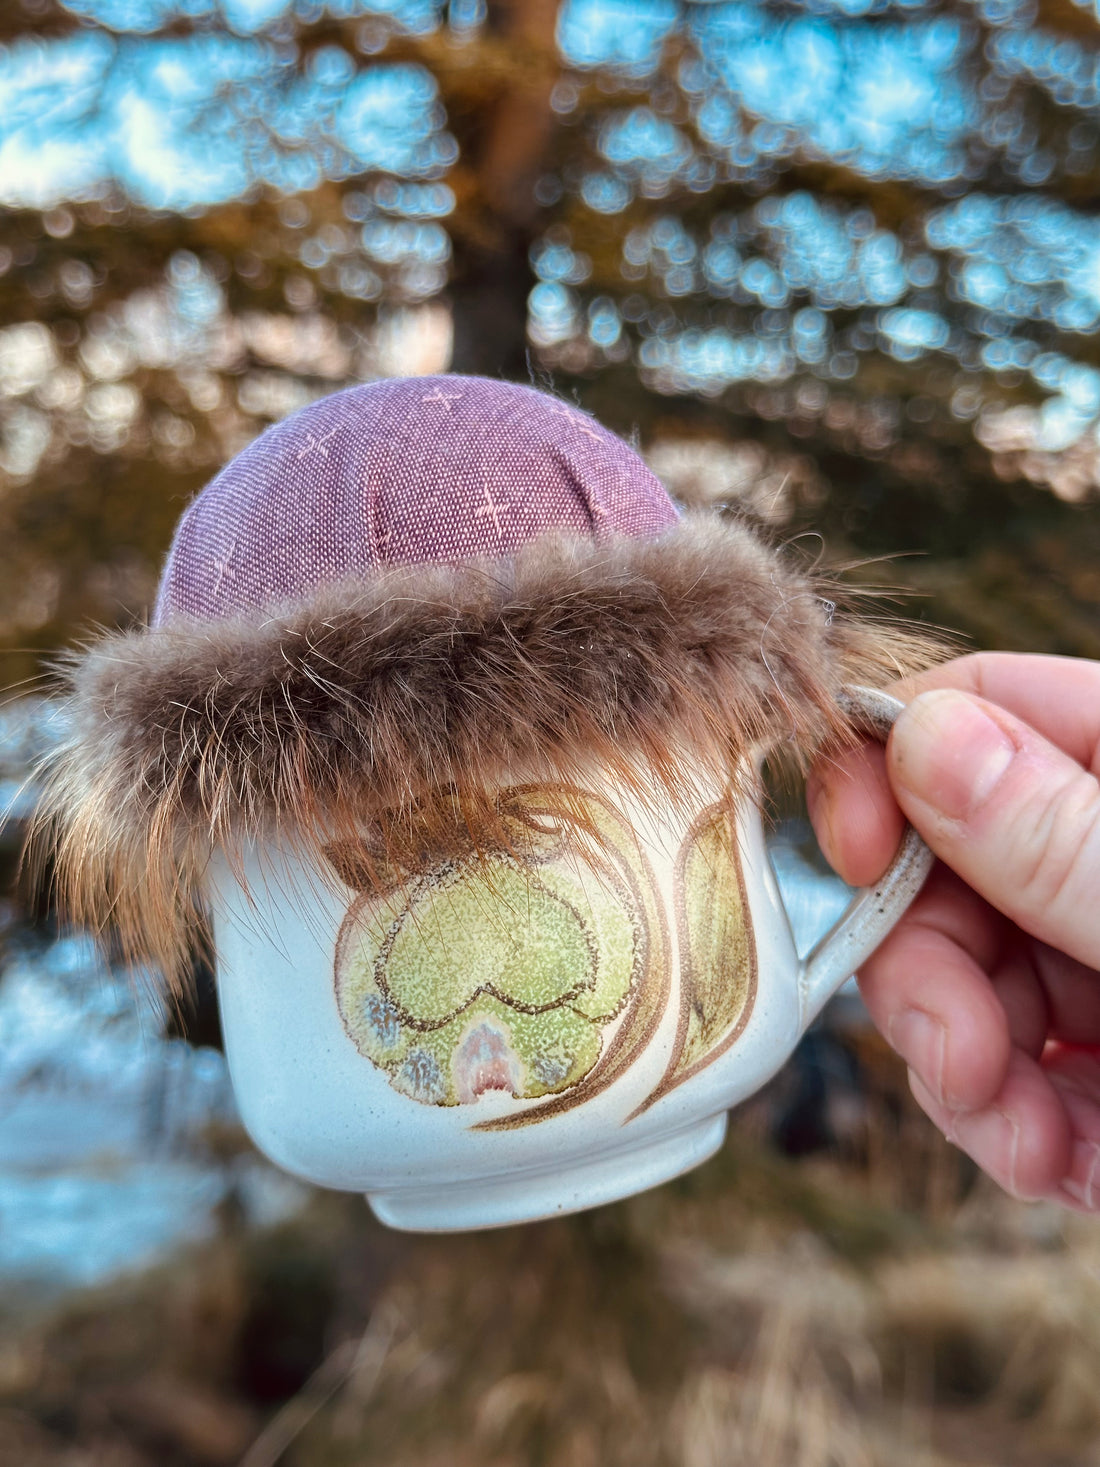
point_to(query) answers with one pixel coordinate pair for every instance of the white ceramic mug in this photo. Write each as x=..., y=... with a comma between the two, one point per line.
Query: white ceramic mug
x=509, y=1035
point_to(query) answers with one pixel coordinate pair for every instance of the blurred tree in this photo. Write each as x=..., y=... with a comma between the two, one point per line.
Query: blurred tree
x=837, y=259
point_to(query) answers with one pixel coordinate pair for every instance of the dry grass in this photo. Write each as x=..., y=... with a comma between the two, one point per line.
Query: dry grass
x=869, y=1307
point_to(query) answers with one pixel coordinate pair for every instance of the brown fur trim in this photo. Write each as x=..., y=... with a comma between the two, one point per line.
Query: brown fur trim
x=397, y=703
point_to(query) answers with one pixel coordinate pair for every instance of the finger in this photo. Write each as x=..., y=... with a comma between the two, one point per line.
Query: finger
x=1072, y=994
x=1059, y=697
x=1023, y=1138
x=926, y=989
x=1014, y=816
x=854, y=814
x=1076, y=1079
x=1021, y=995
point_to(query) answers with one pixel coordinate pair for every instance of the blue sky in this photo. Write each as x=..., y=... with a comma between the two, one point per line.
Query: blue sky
x=195, y=121
x=889, y=97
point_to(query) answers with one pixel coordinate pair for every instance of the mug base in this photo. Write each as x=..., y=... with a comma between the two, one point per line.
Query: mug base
x=498, y=1202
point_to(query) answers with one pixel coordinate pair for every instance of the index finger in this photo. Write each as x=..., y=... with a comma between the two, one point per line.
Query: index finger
x=1059, y=697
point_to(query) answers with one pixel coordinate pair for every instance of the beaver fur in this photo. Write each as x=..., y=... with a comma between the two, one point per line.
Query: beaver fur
x=378, y=702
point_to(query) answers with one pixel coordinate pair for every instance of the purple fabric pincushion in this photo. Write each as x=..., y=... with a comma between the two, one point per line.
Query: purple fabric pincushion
x=402, y=472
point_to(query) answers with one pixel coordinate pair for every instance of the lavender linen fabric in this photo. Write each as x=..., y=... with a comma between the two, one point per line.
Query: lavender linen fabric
x=401, y=472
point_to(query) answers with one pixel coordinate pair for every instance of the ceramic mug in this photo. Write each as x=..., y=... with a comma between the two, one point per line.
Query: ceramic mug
x=512, y=1034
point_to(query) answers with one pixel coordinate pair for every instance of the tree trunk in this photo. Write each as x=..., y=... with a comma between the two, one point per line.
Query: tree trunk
x=505, y=148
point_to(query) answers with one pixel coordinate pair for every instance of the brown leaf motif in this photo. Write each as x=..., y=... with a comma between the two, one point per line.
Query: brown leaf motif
x=717, y=951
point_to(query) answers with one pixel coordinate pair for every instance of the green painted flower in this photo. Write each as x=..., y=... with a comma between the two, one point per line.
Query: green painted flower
x=491, y=972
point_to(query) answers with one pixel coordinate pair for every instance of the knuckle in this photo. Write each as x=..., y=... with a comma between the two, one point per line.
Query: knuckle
x=1058, y=848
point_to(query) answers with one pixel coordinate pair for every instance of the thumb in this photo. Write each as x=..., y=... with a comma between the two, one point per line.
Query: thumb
x=1017, y=818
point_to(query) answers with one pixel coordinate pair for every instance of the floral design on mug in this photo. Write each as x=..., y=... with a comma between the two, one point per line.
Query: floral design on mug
x=716, y=946
x=539, y=970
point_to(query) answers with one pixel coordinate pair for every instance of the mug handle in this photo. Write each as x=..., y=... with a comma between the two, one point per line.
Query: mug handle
x=874, y=909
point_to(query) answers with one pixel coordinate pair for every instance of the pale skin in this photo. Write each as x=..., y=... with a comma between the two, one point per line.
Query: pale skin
x=989, y=987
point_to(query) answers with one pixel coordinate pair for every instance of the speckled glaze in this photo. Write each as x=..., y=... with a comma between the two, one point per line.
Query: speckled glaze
x=526, y=1031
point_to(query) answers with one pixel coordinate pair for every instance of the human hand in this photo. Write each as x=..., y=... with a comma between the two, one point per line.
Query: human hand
x=988, y=987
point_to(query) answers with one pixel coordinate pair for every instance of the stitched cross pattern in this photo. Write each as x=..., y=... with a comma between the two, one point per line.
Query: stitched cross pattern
x=443, y=398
